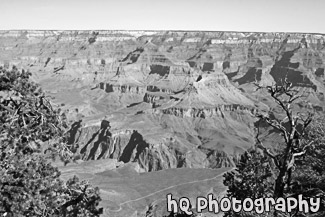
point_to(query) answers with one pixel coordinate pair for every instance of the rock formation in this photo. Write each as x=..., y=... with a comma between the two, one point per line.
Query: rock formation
x=163, y=99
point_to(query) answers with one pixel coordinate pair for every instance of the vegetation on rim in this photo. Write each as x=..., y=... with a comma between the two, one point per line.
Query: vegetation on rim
x=32, y=133
x=295, y=167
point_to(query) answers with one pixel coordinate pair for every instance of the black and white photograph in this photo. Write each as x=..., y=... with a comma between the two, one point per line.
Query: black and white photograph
x=162, y=108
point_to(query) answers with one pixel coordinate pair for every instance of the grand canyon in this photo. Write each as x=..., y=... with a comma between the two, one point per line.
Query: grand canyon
x=158, y=112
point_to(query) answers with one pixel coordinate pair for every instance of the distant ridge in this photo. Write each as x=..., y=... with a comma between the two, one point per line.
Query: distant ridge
x=160, y=30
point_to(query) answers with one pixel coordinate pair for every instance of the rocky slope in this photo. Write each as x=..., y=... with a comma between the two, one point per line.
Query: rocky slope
x=196, y=77
x=165, y=99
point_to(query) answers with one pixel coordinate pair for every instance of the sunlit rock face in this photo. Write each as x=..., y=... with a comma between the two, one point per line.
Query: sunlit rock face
x=172, y=98
x=169, y=105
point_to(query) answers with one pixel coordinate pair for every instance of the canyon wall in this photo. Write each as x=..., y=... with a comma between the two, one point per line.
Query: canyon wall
x=165, y=99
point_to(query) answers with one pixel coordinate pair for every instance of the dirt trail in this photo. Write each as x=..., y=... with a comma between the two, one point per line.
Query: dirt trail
x=164, y=189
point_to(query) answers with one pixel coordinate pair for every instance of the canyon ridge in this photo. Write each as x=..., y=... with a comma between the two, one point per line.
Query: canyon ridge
x=158, y=112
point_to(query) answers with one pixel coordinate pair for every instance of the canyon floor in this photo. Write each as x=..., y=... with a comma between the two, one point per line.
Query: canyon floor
x=158, y=112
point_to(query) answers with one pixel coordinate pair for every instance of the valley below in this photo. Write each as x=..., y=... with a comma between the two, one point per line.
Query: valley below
x=158, y=112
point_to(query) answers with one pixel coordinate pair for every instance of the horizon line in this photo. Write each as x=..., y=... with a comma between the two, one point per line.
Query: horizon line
x=168, y=30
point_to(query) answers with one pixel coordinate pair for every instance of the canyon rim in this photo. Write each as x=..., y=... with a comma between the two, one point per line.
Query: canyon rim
x=158, y=112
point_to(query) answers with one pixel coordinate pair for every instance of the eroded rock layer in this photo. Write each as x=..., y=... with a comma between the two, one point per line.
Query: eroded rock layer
x=165, y=99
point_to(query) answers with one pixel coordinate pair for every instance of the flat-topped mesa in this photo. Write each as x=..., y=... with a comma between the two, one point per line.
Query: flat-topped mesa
x=122, y=88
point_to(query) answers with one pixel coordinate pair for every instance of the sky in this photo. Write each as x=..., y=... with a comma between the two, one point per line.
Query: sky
x=209, y=15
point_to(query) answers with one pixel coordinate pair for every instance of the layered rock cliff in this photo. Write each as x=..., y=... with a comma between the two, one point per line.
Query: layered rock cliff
x=171, y=98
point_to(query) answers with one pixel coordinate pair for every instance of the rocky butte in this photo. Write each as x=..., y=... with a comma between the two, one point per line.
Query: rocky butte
x=158, y=112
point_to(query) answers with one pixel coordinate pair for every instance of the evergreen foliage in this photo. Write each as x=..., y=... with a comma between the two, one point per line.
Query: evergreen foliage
x=31, y=133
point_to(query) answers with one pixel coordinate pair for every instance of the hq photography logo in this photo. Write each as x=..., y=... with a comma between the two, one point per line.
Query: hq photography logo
x=260, y=205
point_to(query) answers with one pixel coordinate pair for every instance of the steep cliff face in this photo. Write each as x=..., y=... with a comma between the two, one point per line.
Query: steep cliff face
x=174, y=99
x=208, y=112
x=97, y=142
x=120, y=89
x=95, y=56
